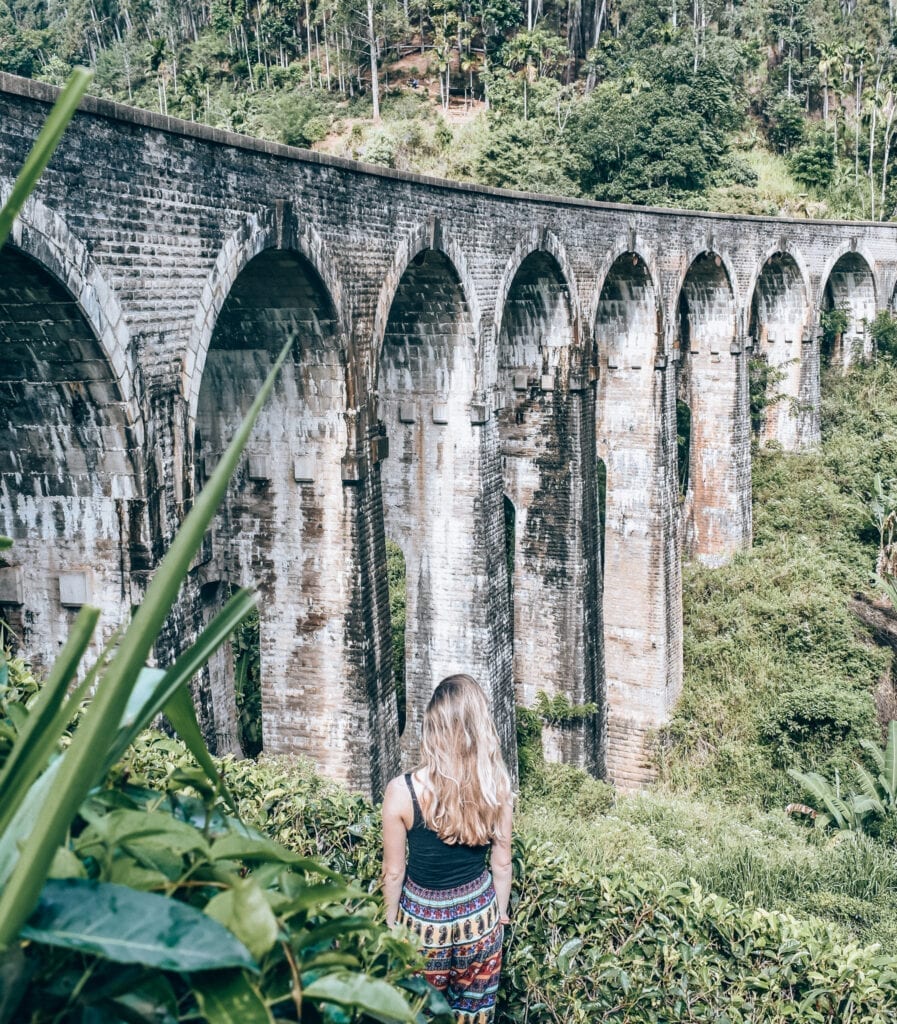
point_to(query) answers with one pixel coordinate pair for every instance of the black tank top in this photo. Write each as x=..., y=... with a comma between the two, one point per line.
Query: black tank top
x=435, y=864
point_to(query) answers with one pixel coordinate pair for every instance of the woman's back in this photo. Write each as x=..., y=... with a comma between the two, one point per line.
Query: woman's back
x=434, y=863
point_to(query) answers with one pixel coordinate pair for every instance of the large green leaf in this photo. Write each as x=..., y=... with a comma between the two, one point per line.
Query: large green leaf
x=85, y=758
x=43, y=148
x=372, y=995
x=230, y=999
x=890, y=768
x=5, y=543
x=121, y=924
x=243, y=910
x=235, y=846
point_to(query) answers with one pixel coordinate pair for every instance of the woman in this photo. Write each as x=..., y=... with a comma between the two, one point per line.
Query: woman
x=451, y=810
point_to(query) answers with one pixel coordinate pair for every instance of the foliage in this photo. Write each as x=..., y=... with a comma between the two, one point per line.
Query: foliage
x=248, y=683
x=833, y=322
x=813, y=163
x=630, y=879
x=778, y=672
x=763, y=382
x=560, y=711
x=884, y=334
x=683, y=444
x=876, y=800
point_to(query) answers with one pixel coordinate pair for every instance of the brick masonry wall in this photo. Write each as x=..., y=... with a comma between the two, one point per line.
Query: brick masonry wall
x=149, y=224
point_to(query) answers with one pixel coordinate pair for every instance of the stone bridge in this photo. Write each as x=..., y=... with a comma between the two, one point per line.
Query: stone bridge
x=488, y=379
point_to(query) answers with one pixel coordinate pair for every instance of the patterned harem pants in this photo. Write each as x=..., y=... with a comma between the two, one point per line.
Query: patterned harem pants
x=460, y=936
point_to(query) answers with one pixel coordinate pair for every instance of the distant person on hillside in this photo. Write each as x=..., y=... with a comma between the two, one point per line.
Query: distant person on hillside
x=451, y=810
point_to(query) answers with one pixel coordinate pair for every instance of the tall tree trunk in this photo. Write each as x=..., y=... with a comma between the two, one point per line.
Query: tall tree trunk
x=372, y=43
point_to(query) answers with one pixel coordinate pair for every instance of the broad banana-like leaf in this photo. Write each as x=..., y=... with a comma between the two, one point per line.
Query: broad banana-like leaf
x=870, y=791
x=890, y=767
x=822, y=791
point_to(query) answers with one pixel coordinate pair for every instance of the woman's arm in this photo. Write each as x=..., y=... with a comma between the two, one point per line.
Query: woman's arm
x=501, y=863
x=394, y=831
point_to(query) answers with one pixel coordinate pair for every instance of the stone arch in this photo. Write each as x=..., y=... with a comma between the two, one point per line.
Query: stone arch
x=545, y=420
x=44, y=236
x=258, y=232
x=628, y=317
x=711, y=382
x=641, y=616
x=431, y=235
x=71, y=482
x=540, y=240
x=435, y=503
x=778, y=324
x=849, y=284
x=286, y=524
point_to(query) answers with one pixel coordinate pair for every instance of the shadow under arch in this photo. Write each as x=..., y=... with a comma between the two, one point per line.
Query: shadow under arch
x=258, y=233
x=71, y=482
x=544, y=242
x=429, y=236
x=43, y=235
x=545, y=423
x=287, y=522
x=437, y=498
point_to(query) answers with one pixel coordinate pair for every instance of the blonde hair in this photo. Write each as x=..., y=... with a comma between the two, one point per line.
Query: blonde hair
x=469, y=784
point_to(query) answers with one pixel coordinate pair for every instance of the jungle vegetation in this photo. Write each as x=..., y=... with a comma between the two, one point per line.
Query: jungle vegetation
x=754, y=106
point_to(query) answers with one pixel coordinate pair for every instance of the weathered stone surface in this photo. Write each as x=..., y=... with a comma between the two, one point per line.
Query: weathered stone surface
x=453, y=345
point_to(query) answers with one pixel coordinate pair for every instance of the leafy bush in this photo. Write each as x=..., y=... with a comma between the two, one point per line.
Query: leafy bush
x=607, y=923
x=813, y=163
x=772, y=649
x=884, y=334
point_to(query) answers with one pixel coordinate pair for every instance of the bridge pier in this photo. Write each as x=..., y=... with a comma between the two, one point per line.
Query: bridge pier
x=712, y=380
x=545, y=422
x=642, y=594
x=441, y=495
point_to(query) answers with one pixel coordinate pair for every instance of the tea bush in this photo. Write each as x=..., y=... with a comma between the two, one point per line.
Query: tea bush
x=614, y=913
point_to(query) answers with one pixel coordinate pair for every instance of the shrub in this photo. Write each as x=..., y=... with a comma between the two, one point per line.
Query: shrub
x=884, y=334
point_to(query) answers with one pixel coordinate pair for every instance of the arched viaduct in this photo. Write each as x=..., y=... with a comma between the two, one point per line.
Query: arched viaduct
x=460, y=354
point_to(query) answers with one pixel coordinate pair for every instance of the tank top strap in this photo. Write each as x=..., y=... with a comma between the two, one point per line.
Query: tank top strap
x=418, y=814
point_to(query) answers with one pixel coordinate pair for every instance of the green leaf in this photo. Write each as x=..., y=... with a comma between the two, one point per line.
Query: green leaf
x=85, y=758
x=5, y=543
x=230, y=999
x=372, y=995
x=240, y=847
x=160, y=690
x=243, y=910
x=43, y=149
x=120, y=924
x=890, y=767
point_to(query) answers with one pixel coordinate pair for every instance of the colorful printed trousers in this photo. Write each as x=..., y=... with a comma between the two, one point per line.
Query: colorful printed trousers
x=460, y=935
